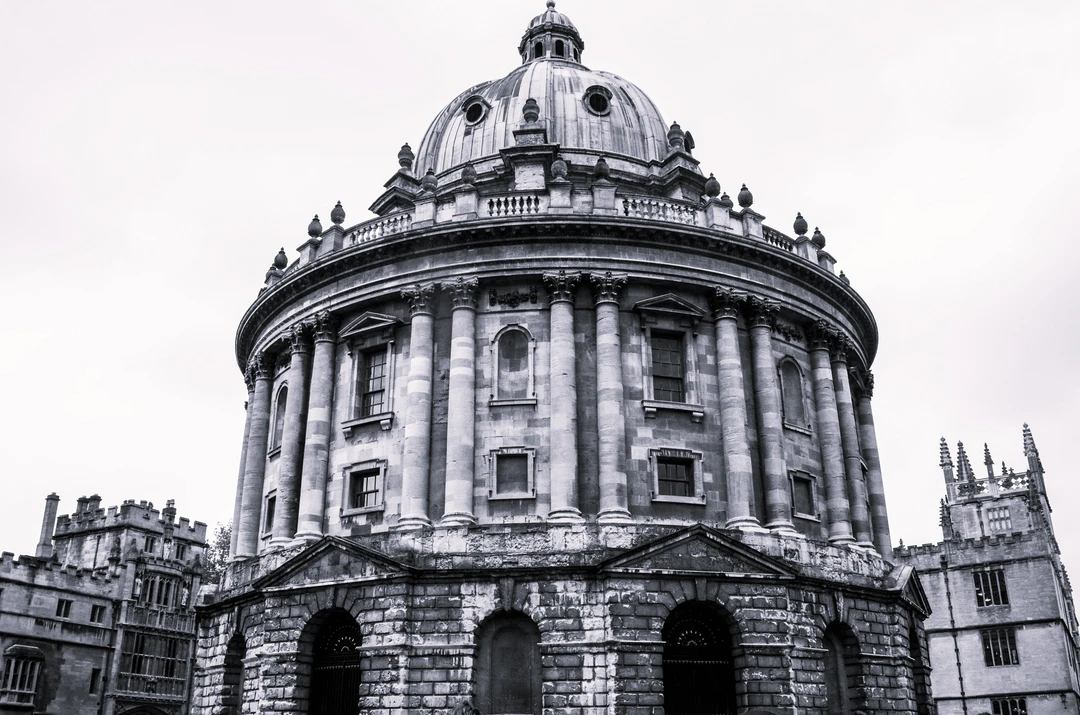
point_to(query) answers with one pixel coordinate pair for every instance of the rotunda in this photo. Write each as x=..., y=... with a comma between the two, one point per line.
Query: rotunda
x=560, y=429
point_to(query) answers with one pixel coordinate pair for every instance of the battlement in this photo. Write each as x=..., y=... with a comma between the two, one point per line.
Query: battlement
x=30, y=569
x=976, y=551
x=142, y=515
x=990, y=487
x=1017, y=537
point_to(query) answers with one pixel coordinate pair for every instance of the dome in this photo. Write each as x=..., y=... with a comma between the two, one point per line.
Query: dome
x=550, y=16
x=581, y=108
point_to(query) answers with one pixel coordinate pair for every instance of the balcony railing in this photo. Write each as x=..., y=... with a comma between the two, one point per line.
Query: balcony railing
x=989, y=486
x=150, y=684
x=135, y=615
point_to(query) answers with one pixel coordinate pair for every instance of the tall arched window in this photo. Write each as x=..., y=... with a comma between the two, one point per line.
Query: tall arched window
x=560, y=50
x=538, y=50
x=841, y=668
x=699, y=667
x=791, y=387
x=233, y=677
x=512, y=365
x=508, y=665
x=335, y=664
x=279, y=416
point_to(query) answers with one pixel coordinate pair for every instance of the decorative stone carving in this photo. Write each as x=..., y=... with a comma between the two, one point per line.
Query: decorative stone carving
x=249, y=380
x=299, y=340
x=462, y=292
x=789, y=332
x=800, y=225
x=314, y=230
x=726, y=302
x=514, y=298
x=606, y=286
x=281, y=260
x=746, y=199
x=868, y=384
x=676, y=137
x=324, y=326
x=818, y=238
x=405, y=158
x=430, y=182
x=712, y=186
x=602, y=172
x=261, y=366
x=468, y=174
x=561, y=285
x=762, y=311
x=559, y=168
x=419, y=297
x=337, y=215
x=530, y=111
x=821, y=335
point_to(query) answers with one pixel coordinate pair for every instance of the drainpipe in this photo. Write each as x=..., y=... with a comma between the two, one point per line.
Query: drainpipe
x=952, y=630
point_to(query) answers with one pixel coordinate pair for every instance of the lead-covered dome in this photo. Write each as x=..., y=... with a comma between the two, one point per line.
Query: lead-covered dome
x=580, y=108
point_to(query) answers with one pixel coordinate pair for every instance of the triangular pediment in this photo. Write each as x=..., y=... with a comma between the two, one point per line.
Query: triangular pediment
x=367, y=323
x=911, y=590
x=698, y=550
x=671, y=305
x=331, y=560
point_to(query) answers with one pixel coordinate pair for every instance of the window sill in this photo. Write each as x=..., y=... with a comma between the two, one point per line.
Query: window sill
x=363, y=510
x=383, y=418
x=511, y=495
x=697, y=412
x=524, y=401
x=696, y=501
x=798, y=428
x=806, y=517
x=274, y=451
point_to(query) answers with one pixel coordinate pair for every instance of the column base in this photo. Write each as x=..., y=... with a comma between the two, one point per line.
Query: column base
x=617, y=515
x=409, y=523
x=305, y=538
x=782, y=526
x=568, y=515
x=746, y=523
x=279, y=542
x=867, y=546
x=845, y=540
x=460, y=518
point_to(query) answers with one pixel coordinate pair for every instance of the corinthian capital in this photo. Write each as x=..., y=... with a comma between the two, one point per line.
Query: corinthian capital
x=249, y=377
x=762, y=311
x=419, y=297
x=822, y=335
x=561, y=285
x=867, y=384
x=606, y=286
x=300, y=338
x=324, y=326
x=462, y=292
x=841, y=346
x=726, y=302
x=261, y=366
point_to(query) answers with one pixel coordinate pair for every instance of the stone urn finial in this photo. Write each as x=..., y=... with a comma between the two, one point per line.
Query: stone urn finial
x=726, y=201
x=712, y=187
x=800, y=225
x=818, y=239
x=676, y=137
x=746, y=199
x=281, y=260
x=314, y=228
x=559, y=168
x=468, y=174
x=405, y=157
x=601, y=171
x=531, y=110
x=338, y=214
x=430, y=182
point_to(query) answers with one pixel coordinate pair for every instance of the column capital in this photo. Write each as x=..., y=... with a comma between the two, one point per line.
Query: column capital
x=762, y=311
x=867, y=384
x=249, y=381
x=561, y=286
x=324, y=326
x=822, y=335
x=419, y=297
x=726, y=302
x=606, y=286
x=261, y=366
x=462, y=292
x=300, y=338
x=841, y=346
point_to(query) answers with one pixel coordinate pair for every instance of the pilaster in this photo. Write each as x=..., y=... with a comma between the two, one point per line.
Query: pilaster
x=837, y=507
x=317, y=434
x=875, y=486
x=292, y=445
x=562, y=287
x=417, y=462
x=249, y=380
x=461, y=404
x=261, y=367
x=610, y=408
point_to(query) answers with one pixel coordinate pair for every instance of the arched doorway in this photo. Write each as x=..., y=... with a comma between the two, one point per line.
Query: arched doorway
x=699, y=670
x=335, y=667
x=508, y=665
x=841, y=668
x=233, y=680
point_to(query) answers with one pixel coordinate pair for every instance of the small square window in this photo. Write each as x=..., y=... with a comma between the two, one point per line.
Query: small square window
x=97, y=614
x=1000, y=519
x=363, y=485
x=63, y=608
x=999, y=647
x=990, y=588
x=271, y=507
x=803, y=495
x=677, y=476
x=511, y=473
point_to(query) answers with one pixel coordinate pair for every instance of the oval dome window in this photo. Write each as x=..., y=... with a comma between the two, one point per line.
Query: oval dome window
x=474, y=112
x=598, y=100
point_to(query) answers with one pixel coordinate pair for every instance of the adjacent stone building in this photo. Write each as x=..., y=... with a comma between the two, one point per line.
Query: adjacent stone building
x=101, y=620
x=561, y=429
x=1003, y=635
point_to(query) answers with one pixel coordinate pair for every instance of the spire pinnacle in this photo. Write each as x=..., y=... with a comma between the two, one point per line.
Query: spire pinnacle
x=1031, y=451
x=963, y=465
x=945, y=462
x=988, y=460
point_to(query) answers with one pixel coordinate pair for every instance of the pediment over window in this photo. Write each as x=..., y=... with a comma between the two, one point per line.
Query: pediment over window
x=331, y=560
x=670, y=306
x=697, y=551
x=367, y=324
x=911, y=590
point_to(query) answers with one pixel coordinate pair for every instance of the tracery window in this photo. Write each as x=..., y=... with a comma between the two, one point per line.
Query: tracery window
x=19, y=680
x=1008, y=706
x=512, y=359
x=152, y=663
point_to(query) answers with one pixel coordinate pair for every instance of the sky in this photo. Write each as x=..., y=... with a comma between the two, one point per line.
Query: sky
x=155, y=156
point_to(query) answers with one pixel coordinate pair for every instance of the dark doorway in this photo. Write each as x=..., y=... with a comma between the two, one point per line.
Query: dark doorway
x=699, y=672
x=508, y=665
x=841, y=668
x=234, y=675
x=335, y=668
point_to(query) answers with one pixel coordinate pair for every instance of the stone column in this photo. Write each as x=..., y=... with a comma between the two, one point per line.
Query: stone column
x=292, y=439
x=849, y=438
x=564, y=457
x=837, y=508
x=875, y=487
x=417, y=462
x=320, y=415
x=247, y=544
x=461, y=405
x=733, y=421
x=610, y=413
x=249, y=379
x=769, y=415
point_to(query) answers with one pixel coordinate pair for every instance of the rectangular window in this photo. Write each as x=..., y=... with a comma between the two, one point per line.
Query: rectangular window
x=151, y=663
x=802, y=495
x=95, y=679
x=19, y=682
x=675, y=477
x=373, y=379
x=149, y=544
x=667, y=367
x=268, y=522
x=999, y=647
x=181, y=551
x=363, y=486
x=999, y=518
x=990, y=588
x=97, y=614
x=511, y=472
x=1008, y=706
x=63, y=608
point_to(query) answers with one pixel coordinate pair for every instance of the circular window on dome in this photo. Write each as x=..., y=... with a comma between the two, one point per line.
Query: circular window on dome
x=598, y=100
x=475, y=110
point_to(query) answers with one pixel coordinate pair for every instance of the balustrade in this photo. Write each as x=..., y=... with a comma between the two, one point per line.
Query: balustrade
x=514, y=206
x=655, y=210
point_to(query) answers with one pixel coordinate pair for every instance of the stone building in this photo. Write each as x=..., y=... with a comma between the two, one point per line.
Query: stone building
x=101, y=620
x=559, y=430
x=1003, y=635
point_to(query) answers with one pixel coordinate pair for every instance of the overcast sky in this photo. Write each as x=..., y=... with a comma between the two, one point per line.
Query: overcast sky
x=154, y=156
